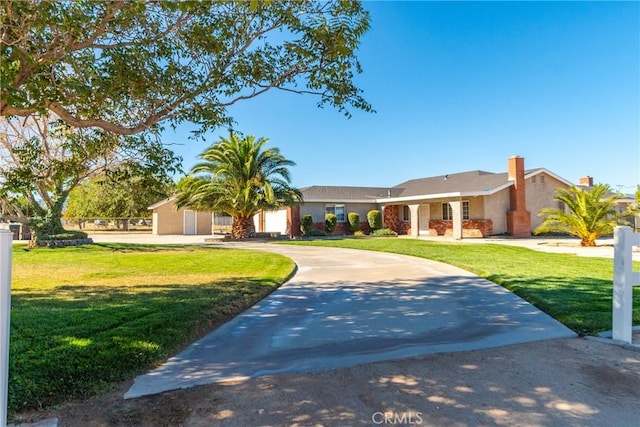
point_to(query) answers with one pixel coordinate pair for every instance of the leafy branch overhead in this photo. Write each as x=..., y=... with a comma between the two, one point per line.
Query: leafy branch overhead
x=125, y=66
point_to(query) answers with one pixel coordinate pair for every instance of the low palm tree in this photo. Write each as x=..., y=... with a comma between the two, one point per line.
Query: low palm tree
x=590, y=213
x=239, y=177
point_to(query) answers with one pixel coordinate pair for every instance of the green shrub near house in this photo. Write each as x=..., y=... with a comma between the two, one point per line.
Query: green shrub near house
x=306, y=224
x=354, y=222
x=330, y=221
x=374, y=218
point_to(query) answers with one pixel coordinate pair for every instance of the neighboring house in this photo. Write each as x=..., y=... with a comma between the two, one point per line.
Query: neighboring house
x=168, y=220
x=626, y=203
x=467, y=204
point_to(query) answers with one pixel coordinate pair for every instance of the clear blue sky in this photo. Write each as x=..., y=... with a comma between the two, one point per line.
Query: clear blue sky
x=461, y=86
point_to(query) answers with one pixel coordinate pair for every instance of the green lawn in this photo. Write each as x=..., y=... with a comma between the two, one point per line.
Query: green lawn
x=84, y=318
x=577, y=291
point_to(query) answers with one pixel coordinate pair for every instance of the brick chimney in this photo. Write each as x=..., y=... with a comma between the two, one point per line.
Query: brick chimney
x=586, y=181
x=518, y=218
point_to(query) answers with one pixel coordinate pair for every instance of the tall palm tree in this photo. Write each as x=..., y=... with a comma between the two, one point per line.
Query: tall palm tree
x=239, y=177
x=590, y=213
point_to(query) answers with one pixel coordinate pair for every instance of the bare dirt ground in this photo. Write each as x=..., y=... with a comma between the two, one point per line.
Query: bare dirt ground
x=565, y=382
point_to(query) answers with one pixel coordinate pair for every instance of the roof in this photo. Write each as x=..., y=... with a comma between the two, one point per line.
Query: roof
x=323, y=193
x=474, y=181
x=162, y=202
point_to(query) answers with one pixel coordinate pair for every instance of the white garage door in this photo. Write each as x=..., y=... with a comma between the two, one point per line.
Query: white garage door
x=276, y=221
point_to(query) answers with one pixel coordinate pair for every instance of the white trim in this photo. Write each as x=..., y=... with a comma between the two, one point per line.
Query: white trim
x=541, y=170
x=162, y=202
x=340, y=201
x=389, y=200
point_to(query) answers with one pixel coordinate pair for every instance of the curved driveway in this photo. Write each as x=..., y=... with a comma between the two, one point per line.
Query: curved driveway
x=346, y=307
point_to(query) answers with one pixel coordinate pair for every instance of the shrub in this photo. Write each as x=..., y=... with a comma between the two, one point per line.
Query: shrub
x=354, y=221
x=358, y=233
x=374, y=218
x=330, y=221
x=306, y=224
x=384, y=232
x=67, y=235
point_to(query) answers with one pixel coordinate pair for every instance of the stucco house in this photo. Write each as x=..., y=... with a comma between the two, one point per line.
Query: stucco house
x=468, y=204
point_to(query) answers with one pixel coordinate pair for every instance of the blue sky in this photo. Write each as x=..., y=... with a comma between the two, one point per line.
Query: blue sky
x=461, y=86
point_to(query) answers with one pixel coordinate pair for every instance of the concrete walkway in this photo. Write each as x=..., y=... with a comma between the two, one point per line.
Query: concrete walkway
x=345, y=308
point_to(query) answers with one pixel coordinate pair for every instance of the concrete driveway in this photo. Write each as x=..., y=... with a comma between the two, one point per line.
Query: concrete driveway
x=345, y=308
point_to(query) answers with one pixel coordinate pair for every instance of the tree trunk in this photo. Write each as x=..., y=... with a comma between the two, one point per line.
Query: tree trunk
x=242, y=227
x=49, y=223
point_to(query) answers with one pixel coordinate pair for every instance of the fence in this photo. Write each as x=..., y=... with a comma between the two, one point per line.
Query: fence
x=108, y=224
x=624, y=280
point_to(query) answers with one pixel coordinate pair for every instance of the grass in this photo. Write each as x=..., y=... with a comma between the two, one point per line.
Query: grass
x=84, y=318
x=577, y=291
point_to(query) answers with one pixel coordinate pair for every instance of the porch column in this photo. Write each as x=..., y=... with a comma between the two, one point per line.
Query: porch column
x=456, y=210
x=415, y=228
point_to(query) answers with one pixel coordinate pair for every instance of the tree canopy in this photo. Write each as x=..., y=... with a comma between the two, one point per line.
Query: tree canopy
x=125, y=66
x=42, y=159
x=590, y=213
x=240, y=177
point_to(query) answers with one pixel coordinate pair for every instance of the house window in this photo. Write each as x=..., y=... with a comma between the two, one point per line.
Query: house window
x=447, y=212
x=337, y=210
x=406, y=214
x=533, y=179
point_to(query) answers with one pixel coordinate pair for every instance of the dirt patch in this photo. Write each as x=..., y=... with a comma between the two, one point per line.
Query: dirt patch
x=560, y=382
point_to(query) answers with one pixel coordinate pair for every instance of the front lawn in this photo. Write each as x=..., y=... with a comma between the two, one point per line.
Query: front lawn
x=577, y=291
x=84, y=318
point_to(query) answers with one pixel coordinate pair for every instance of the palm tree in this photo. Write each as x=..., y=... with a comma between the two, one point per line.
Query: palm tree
x=590, y=213
x=237, y=176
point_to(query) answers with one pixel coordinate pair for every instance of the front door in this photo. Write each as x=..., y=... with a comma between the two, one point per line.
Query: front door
x=189, y=222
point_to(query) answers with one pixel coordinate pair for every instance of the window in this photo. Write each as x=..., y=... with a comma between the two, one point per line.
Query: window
x=447, y=212
x=337, y=210
x=406, y=214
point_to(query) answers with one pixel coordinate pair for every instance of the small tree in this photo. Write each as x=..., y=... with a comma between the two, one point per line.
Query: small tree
x=330, y=221
x=374, y=218
x=306, y=224
x=354, y=221
x=591, y=213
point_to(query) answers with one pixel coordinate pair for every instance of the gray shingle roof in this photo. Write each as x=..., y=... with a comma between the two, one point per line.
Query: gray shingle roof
x=326, y=192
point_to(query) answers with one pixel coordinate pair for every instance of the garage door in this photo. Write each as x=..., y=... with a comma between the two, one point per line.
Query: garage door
x=276, y=221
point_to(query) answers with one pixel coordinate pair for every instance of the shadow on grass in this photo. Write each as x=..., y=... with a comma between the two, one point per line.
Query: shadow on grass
x=79, y=340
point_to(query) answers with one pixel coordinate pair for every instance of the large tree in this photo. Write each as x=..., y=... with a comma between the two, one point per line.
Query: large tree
x=590, y=213
x=125, y=66
x=125, y=192
x=240, y=177
x=42, y=159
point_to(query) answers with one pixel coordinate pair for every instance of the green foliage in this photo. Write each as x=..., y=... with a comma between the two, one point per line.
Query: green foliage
x=85, y=318
x=591, y=213
x=119, y=194
x=316, y=233
x=574, y=290
x=67, y=235
x=240, y=177
x=374, y=218
x=126, y=66
x=330, y=221
x=384, y=232
x=354, y=221
x=44, y=160
x=306, y=224
x=358, y=233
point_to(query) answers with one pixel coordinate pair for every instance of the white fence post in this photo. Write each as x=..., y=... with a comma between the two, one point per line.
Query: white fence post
x=6, y=239
x=624, y=279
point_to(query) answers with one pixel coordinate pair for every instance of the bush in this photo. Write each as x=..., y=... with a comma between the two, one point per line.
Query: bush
x=67, y=235
x=316, y=232
x=374, y=218
x=306, y=224
x=384, y=232
x=358, y=233
x=354, y=221
x=330, y=221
